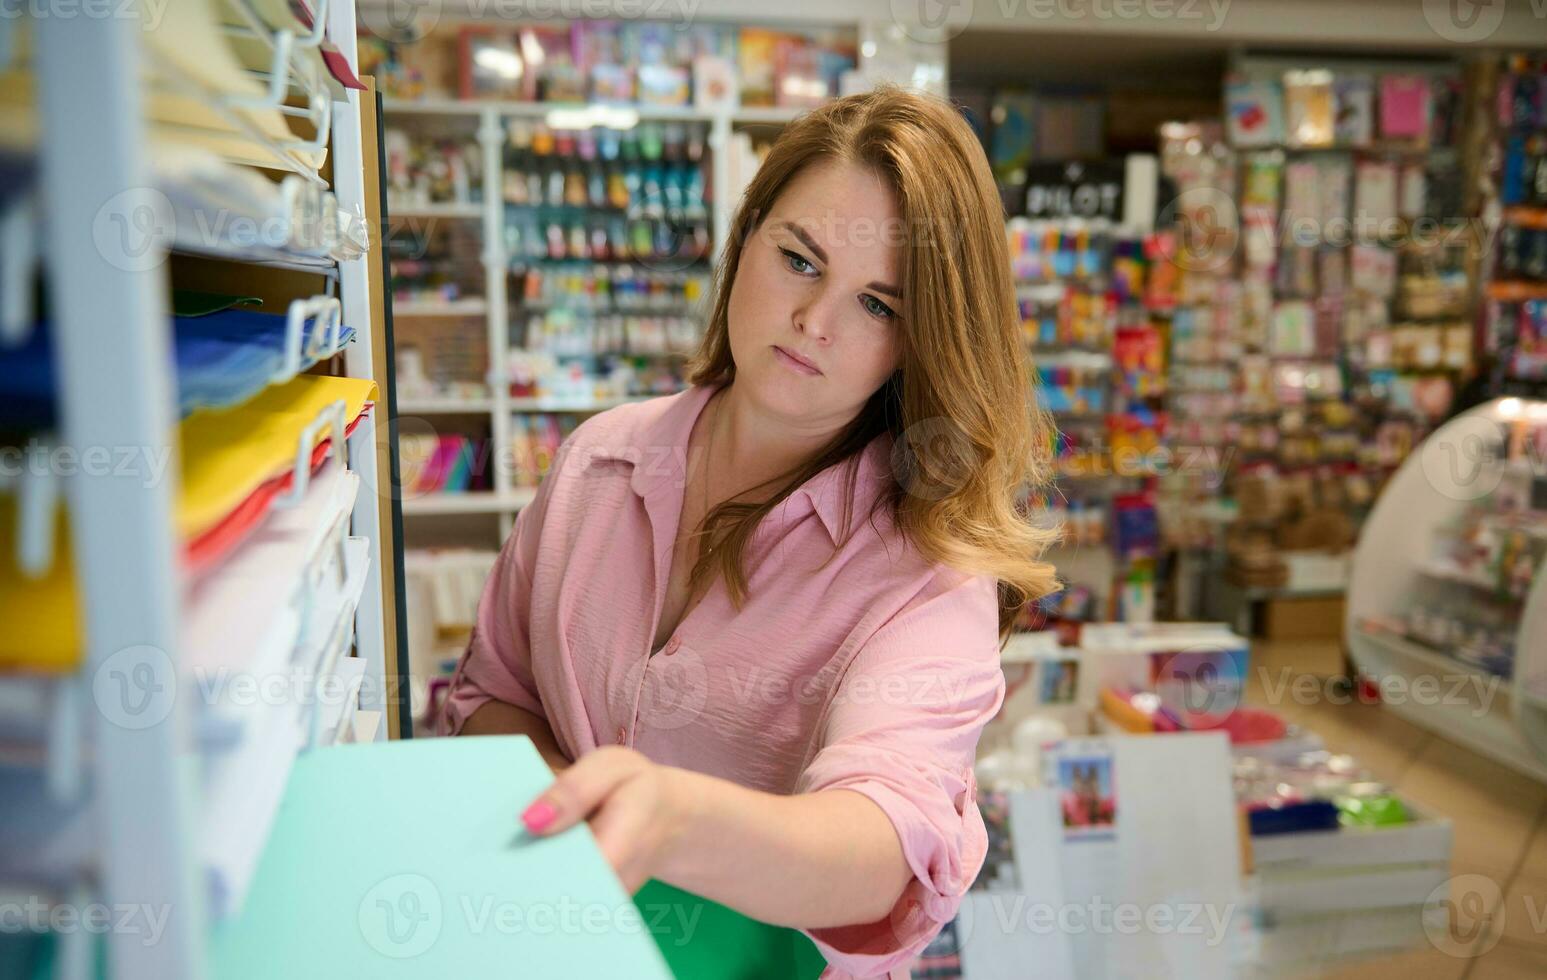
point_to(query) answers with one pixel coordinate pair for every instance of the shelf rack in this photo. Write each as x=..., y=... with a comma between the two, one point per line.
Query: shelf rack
x=490, y=118
x=144, y=782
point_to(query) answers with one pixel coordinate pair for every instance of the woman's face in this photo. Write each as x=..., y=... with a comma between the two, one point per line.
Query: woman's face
x=814, y=315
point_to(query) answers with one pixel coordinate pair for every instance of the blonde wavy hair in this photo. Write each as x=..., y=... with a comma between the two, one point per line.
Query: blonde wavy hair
x=968, y=438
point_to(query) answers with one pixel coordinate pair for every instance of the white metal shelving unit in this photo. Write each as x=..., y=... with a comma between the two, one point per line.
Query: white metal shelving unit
x=147, y=781
x=1457, y=465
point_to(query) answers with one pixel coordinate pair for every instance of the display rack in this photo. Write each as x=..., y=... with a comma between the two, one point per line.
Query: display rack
x=1456, y=687
x=489, y=119
x=1319, y=350
x=153, y=806
x=1514, y=334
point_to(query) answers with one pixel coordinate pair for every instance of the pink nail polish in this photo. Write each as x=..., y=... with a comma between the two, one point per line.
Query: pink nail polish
x=538, y=816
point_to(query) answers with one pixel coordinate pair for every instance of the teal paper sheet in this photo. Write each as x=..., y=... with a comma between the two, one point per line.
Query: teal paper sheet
x=407, y=859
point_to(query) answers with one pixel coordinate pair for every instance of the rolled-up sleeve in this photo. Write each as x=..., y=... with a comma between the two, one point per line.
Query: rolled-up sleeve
x=903, y=731
x=497, y=665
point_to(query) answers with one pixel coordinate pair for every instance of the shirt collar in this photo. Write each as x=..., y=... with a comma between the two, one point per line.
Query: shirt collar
x=658, y=453
x=824, y=493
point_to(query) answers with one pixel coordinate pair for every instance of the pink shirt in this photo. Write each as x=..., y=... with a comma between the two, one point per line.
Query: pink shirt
x=874, y=674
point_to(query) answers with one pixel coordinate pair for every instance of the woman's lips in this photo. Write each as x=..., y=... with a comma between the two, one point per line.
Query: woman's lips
x=796, y=363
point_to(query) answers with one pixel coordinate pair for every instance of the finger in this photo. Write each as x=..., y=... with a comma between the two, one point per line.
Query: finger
x=578, y=790
x=623, y=833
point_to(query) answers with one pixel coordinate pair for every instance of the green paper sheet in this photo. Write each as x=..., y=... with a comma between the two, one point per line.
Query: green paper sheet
x=407, y=859
x=703, y=940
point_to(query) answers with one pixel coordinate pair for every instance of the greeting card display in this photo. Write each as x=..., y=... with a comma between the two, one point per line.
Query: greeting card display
x=1254, y=112
x=1353, y=99
x=1404, y=107
x=1308, y=108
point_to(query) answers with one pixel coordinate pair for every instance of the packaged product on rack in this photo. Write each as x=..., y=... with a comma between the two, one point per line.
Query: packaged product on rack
x=1405, y=107
x=492, y=66
x=1254, y=111
x=431, y=171
x=715, y=83
x=1354, y=99
x=758, y=55
x=1308, y=108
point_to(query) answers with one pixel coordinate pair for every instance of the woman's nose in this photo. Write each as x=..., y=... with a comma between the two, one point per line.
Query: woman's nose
x=815, y=317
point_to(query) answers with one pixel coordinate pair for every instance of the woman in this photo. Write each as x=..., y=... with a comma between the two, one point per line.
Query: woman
x=755, y=626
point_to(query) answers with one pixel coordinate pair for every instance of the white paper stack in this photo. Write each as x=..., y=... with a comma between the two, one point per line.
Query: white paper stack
x=1331, y=894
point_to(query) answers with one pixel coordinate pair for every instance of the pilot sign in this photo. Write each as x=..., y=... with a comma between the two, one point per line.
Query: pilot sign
x=1074, y=190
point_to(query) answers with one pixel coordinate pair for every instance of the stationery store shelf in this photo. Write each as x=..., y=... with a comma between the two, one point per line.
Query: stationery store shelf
x=451, y=308
x=448, y=210
x=1424, y=657
x=269, y=258
x=748, y=115
x=540, y=110
x=48, y=836
x=477, y=502
x=444, y=406
x=27, y=703
x=244, y=785
x=579, y=115
x=433, y=107
x=1512, y=291
x=1451, y=572
x=204, y=603
x=765, y=116
x=579, y=406
x=1526, y=217
x=246, y=618
x=339, y=714
x=249, y=629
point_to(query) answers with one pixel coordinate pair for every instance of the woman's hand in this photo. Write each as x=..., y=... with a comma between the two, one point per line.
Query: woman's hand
x=635, y=807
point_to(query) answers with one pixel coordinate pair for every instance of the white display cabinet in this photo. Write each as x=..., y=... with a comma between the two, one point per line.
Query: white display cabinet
x=1406, y=578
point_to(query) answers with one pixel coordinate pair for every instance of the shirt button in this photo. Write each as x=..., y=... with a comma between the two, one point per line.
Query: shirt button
x=672, y=645
x=622, y=735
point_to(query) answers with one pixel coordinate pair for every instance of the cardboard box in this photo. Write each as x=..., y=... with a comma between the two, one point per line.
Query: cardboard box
x=1322, y=530
x=1258, y=498
x=1316, y=570
x=1302, y=619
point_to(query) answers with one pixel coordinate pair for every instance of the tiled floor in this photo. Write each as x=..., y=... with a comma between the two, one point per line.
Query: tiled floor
x=1499, y=819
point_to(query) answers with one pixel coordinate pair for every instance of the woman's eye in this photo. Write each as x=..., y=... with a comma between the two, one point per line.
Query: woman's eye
x=795, y=262
x=875, y=307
